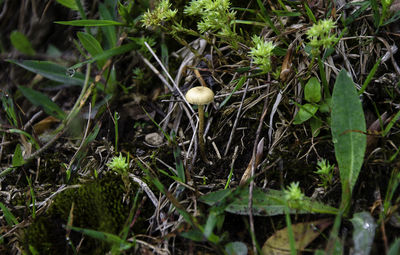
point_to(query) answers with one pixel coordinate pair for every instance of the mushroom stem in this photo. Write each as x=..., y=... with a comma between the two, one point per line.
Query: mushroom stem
x=201, y=134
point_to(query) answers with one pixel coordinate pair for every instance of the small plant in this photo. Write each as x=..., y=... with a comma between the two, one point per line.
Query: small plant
x=320, y=36
x=215, y=16
x=262, y=53
x=308, y=111
x=325, y=172
x=293, y=195
x=119, y=164
x=161, y=13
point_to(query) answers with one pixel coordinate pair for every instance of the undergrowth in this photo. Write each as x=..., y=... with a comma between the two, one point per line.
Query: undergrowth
x=100, y=149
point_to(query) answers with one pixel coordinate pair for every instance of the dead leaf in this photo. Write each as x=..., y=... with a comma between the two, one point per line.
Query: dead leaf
x=45, y=124
x=304, y=234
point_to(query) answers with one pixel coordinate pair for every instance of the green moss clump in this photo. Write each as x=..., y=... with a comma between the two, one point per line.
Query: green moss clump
x=98, y=205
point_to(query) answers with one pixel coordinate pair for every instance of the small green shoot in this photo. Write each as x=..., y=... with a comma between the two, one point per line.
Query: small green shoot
x=325, y=173
x=261, y=53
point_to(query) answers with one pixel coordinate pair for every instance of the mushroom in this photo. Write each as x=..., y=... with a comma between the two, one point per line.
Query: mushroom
x=200, y=96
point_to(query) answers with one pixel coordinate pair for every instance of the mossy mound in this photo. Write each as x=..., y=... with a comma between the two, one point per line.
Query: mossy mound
x=98, y=205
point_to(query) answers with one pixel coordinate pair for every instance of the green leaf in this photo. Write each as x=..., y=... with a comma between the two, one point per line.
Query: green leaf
x=51, y=71
x=109, y=31
x=265, y=203
x=39, y=99
x=347, y=125
x=107, y=237
x=305, y=113
x=107, y=54
x=10, y=218
x=363, y=232
x=315, y=126
x=21, y=43
x=91, y=45
x=69, y=4
x=90, y=23
x=312, y=90
x=18, y=159
x=394, y=248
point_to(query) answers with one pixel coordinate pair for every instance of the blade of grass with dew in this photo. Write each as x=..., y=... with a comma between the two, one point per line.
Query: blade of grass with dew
x=9, y=217
x=347, y=119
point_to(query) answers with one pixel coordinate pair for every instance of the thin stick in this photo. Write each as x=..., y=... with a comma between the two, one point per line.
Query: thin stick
x=237, y=119
x=251, y=188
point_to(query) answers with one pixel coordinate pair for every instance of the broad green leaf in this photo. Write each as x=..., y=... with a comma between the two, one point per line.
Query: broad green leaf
x=9, y=217
x=363, y=232
x=91, y=45
x=305, y=113
x=89, y=23
x=348, y=125
x=21, y=43
x=265, y=203
x=51, y=71
x=39, y=99
x=69, y=4
x=312, y=90
x=18, y=159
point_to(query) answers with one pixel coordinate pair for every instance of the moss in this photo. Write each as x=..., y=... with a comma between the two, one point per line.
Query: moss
x=98, y=205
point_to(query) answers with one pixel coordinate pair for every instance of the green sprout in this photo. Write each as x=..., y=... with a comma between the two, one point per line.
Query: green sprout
x=293, y=193
x=262, y=53
x=162, y=12
x=325, y=172
x=118, y=164
x=320, y=35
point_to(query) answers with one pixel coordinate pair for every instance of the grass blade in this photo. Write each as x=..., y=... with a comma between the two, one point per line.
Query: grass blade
x=51, y=71
x=39, y=99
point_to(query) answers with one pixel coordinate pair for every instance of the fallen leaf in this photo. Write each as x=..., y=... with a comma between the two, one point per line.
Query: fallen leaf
x=304, y=234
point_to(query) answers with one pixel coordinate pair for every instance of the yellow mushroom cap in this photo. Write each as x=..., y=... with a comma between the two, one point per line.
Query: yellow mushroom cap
x=199, y=95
